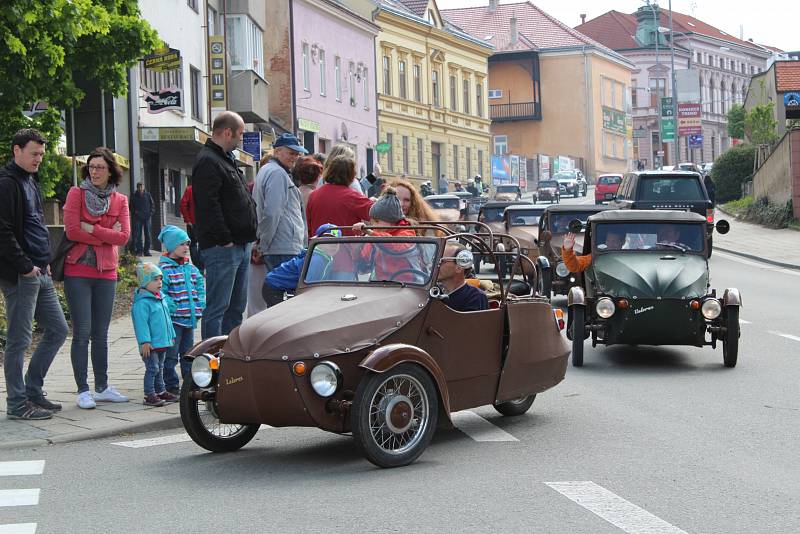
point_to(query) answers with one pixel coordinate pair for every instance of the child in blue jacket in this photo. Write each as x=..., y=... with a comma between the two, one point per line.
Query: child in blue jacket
x=185, y=286
x=154, y=332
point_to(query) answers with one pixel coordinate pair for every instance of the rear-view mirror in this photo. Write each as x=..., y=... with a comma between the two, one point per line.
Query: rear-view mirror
x=723, y=226
x=575, y=226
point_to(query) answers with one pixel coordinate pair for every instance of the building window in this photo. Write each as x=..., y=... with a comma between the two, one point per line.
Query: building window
x=387, y=75
x=420, y=157
x=435, y=87
x=480, y=163
x=306, y=74
x=495, y=93
x=634, y=101
x=405, y=154
x=365, y=79
x=479, y=99
x=455, y=162
x=417, y=84
x=351, y=83
x=465, y=84
x=453, y=103
x=245, y=44
x=500, y=145
x=468, y=157
x=337, y=75
x=212, y=21
x=192, y=4
x=194, y=80
x=322, y=81
x=390, y=153
x=401, y=71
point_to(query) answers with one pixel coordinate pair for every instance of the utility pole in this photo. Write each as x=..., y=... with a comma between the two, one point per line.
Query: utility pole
x=674, y=84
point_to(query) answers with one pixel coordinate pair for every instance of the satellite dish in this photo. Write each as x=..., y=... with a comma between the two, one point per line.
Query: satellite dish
x=344, y=131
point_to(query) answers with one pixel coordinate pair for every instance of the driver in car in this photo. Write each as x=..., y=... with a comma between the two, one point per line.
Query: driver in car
x=614, y=240
x=462, y=297
x=669, y=234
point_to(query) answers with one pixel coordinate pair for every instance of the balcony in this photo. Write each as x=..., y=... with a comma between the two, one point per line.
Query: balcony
x=522, y=111
x=248, y=96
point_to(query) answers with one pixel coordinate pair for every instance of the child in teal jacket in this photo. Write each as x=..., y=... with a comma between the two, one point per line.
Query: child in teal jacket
x=185, y=286
x=154, y=332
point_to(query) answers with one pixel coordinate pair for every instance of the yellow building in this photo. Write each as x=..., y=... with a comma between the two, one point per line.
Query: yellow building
x=432, y=107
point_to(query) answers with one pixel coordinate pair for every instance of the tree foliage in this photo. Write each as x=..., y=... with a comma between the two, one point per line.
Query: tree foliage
x=736, y=119
x=760, y=124
x=730, y=170
x=45, y=43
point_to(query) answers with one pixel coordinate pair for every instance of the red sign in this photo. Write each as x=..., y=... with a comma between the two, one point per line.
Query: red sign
x=689, y=119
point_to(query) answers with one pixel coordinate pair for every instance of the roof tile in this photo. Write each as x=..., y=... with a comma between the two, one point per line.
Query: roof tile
x=787, y=76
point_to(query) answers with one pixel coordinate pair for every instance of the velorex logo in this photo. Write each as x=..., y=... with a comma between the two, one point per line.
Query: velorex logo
x=643, y=309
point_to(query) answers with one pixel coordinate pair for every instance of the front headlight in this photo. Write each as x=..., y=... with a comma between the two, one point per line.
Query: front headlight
x=561, y=269
x=325, y=378
x=201, y=370
x=711, y=308
x=605, y=307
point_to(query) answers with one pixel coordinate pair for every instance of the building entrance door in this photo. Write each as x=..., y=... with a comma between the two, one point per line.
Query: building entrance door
x=436, y=163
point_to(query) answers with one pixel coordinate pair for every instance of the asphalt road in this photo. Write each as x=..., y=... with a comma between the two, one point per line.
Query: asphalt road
x=651, y=440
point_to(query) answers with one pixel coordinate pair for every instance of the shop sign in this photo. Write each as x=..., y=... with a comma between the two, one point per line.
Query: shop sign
x=614, y=120
x=163, y=100
x=308, y=125
x=689, y=119
x=382, y=148
x=217, y=72
x=163, y=60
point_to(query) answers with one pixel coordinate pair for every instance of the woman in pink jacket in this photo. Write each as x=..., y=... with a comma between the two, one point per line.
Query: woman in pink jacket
x=96, y=218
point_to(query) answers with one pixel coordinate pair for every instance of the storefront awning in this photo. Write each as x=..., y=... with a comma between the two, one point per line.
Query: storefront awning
x=186, y=140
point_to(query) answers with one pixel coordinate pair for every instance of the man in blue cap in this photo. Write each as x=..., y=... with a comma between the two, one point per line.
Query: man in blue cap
x=279, y=208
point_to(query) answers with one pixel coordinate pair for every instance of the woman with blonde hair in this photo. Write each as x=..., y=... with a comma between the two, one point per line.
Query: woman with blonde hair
x=414, y=206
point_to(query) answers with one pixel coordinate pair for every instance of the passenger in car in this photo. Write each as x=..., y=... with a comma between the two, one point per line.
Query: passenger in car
x=614, y=240
x=463, y=297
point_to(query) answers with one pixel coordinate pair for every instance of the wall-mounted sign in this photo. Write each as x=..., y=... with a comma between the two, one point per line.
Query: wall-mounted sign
x=163, y=100
x=791, y=102
x=695, y=141
x=382, y=148
x=163, y=60
x=614, y=120
x=501, y=169
x=251, y=143
x=689, y=119
x=217, y=72
x=308, y=125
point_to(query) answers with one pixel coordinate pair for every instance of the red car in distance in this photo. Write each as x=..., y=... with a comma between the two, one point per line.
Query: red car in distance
x=606, y=187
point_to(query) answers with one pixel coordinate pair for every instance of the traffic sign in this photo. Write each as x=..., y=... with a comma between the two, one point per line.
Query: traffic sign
x=381, y=148
x=667, y=129
x=695, y=141
x=667, y=109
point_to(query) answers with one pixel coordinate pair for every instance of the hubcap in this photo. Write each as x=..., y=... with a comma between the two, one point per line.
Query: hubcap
x=398, y=414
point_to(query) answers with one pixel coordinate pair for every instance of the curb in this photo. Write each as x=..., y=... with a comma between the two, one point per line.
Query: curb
x=165, y=423
x=758, y=258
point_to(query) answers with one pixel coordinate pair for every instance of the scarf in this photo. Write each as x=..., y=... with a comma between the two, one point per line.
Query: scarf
x=97, y=200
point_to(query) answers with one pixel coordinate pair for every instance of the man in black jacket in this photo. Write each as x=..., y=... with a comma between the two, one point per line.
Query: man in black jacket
x=225, y=225
x=25, y=280
x=143, y=210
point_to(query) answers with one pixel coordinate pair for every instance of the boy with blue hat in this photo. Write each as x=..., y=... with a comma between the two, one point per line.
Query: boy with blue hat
x=185, y=286
x=154, y=332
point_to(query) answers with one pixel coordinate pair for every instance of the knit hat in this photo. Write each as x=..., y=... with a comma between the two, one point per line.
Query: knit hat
x=146, y=272
x=387, y=208
x=172, y=236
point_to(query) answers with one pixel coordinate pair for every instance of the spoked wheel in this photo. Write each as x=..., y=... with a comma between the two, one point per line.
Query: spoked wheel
x=394, y=415
x=201, y=421
x=730, y=343
x=578, y=328
x=515, y=407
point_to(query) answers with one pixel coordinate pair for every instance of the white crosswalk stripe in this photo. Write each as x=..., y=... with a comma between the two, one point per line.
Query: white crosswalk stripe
x=20, y=497
x=18, y=528
x=621, y=513
x=479, y=428
x=161, y=440
x=787, y=336
x=13, y=469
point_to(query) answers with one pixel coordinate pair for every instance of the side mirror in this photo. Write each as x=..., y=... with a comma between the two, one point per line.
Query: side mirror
x=546, y=236
x=575, y=226
x=723, y=226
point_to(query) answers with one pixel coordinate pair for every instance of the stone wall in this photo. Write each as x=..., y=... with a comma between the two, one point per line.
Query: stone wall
x=774, y=178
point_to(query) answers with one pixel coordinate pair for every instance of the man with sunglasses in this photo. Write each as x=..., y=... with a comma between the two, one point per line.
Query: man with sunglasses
x=462, y=297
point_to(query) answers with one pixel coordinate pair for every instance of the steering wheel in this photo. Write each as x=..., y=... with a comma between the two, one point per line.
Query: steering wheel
x=416, y=272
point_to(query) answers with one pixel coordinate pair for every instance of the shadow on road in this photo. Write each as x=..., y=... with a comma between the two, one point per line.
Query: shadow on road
x=646, y=359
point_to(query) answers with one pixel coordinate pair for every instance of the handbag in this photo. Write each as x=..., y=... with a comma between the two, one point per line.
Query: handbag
x=57, y=263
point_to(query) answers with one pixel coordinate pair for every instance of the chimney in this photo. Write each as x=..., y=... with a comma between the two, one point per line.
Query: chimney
x=492, y=6
x=583, y=18
x=514, y=34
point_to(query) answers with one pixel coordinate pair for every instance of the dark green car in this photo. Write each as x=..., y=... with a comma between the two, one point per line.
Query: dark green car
x=648, y=284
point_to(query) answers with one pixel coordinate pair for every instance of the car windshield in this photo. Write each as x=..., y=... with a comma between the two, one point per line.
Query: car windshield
x=559, y=221
x=492, y=215
x=474, y=206
x=547, y=183
x=444, y=203
x=680, y=237
x=564, y=176
x=670, y=188
x=524, y=217
x=507, y=188
x=609, y=180
x=371, y=261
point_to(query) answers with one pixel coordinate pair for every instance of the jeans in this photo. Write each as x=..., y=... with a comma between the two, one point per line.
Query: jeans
x=91, y=302
x=139, y=226
x=184, y=339
x=226, y=288
x=31, y=297
x=154, y=373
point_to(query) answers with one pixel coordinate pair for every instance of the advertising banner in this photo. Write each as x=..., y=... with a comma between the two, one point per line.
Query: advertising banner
x=501, y=170
x=689, y=119
x=544, y=167
x=163, y=100
x=514, y=169
x=523, y=172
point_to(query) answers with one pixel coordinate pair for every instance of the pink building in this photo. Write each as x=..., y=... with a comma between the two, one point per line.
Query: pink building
x=334, y=79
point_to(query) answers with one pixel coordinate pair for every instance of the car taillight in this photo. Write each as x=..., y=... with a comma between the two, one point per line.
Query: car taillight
x=710, y=215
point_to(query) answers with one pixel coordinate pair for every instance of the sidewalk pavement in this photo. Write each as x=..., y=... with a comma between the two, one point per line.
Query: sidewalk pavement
x=125, y=372
x=776, y=247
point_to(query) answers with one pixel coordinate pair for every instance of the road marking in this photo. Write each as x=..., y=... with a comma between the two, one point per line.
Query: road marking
x=19, y=497
x=621, y=513
x=753, y=263
x=161, y=440
x=13, y=469
x=787, y=336
x=18, y=528
x=742, y=321
x=479, y=428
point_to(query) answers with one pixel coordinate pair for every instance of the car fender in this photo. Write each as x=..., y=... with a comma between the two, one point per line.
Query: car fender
x=210, y=346
x=576, y=297
x=731, y=297
x=543, y=262
x=386, y=357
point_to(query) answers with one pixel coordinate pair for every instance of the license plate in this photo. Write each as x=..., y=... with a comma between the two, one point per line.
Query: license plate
x=609, y=196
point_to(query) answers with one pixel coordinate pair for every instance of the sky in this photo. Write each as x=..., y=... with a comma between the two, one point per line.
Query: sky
x=770, y=22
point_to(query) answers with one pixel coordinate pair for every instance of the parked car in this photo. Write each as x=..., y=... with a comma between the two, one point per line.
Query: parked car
x=369, y=347
x=548, y=190
x=508, y=192
x=606, y=187
x=666, y=190
x=651, y=289
x=573, y=181
x=553, y=226
x=447, y=207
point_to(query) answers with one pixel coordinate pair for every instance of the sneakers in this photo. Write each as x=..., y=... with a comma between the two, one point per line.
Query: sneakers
x=110, y=394
x=47, y=405
x=86, y=401
x=153, y=400
x=29, y=412
x=174, y=391
x=166, y=396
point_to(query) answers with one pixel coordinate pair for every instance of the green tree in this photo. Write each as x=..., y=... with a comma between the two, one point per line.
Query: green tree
x=45, y=42
x=760, y=124
x=730, y=170
x=736, y=119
